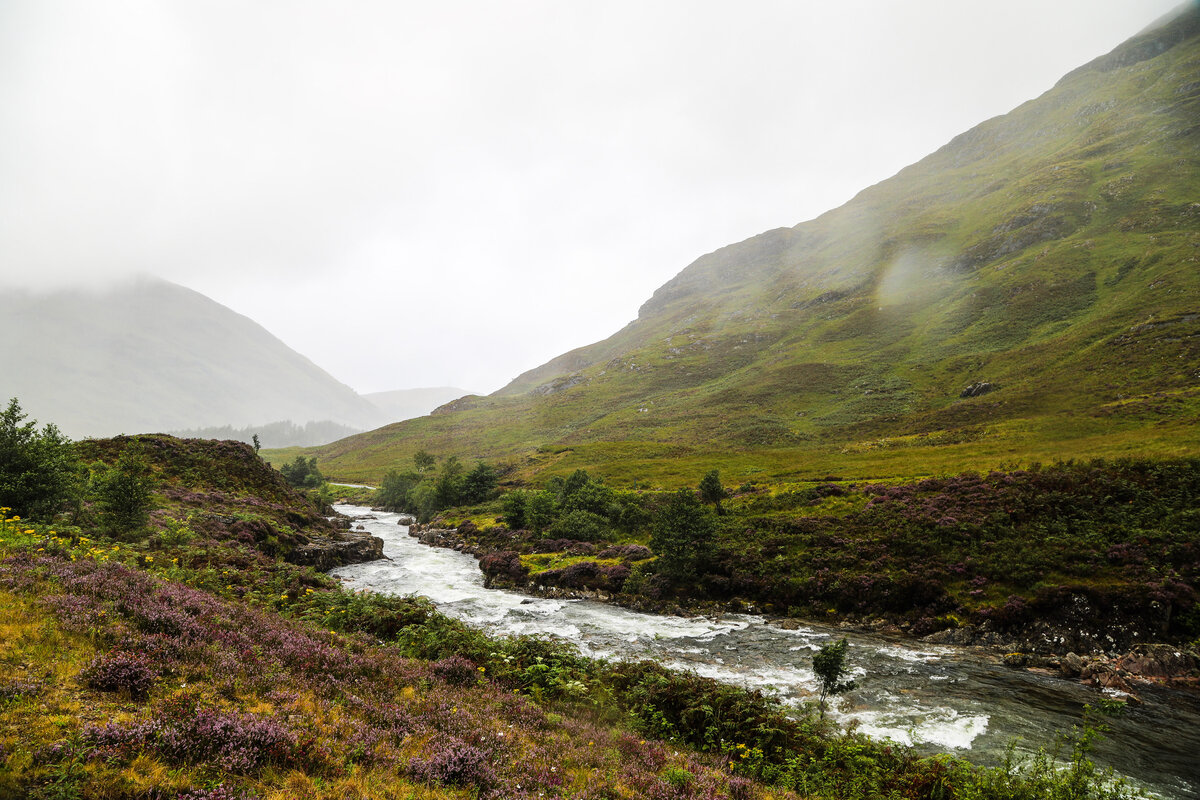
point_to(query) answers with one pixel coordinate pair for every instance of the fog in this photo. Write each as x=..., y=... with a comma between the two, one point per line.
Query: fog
x=451, y=193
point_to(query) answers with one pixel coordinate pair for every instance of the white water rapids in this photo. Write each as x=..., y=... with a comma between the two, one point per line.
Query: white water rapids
x=944, y=698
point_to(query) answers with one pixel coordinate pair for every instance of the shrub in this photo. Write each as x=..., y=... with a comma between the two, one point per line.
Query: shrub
x=38, y=470
x=455, y=763
x=119, y=671
x=125, y=492
x=456, y=671
x=583, y=526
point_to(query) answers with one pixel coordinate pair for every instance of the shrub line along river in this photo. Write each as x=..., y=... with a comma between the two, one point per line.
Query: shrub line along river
x=940, y=697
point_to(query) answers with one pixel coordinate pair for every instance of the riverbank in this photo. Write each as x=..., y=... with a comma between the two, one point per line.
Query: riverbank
x=1076, y=644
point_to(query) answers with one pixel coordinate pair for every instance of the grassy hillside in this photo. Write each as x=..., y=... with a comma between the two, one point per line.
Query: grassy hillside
x=188, y=660
x=1047, y=257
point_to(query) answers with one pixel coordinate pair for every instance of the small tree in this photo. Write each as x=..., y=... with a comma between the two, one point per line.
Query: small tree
x=423, y=461
x=830, y=666
x=39, y=471
x=540, y=510
x=125, y=492
x=479, y=483
x=257, y=444
x=448, y=488
x=395, y=490
x=711, y=490
x=302, y=473
x=682, y=536
x=513, y=504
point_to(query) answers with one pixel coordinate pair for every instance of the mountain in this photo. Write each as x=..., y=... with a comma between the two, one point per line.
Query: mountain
x=403, y=404
x=1030, y=290
x=149, y=355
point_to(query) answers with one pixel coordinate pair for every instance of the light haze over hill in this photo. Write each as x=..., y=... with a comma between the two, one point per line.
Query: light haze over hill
x=1028, y=290
x=150, y=356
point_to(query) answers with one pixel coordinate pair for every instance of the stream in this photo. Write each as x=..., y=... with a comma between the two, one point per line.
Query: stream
x=939, y=698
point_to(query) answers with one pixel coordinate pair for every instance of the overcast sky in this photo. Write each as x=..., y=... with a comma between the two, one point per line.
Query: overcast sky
x=450, y=193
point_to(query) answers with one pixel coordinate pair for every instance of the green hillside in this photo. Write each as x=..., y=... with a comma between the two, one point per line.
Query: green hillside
x=1049, y=255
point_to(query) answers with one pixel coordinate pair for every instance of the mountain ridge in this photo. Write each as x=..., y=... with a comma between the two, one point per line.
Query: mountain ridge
x=1027, y=253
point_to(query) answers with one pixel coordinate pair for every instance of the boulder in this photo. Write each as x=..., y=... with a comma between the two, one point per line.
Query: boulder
x=978, y=388
x=337, y=550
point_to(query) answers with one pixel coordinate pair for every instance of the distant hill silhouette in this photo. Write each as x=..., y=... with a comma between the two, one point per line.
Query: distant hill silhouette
x=151, y=356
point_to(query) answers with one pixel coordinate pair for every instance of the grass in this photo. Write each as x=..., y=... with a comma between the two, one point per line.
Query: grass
x=1051, y=252
x=204, y=666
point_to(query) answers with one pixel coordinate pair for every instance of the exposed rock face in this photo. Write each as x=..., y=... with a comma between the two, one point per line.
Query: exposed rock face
x=343, y=547
x=979, y=388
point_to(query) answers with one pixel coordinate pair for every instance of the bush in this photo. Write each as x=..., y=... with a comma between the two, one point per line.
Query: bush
x=456, y=671
x=455, y=763
x=302, y=473
x=120, y=672
x=125, y=492
x=39, y=472
x=582, y=526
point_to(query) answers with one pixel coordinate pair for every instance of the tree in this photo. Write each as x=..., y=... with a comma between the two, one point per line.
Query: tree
x=302, y=473
x=125, y=492
x=39, y=471
x=681, y=535
x=830, y=666
x=423, y=461
x=447, y=489
x=257, y=444
x=395, y=491
x=479, y=483
x=514, y=508
x=711, y=490
x=540, y=510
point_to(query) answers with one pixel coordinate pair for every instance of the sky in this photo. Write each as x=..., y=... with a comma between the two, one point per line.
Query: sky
x=450, y=193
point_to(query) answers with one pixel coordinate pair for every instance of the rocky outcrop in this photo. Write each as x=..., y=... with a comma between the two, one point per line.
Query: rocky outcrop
x=337, y=550
x=978, y=388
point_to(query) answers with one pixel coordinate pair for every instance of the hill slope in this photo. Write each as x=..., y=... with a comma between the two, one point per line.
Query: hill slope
x=402, y=404
x=1047, y=258
x=153, y=356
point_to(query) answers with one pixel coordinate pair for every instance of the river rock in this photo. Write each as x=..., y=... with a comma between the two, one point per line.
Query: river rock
x=1071, y=666
x=406, y=519
x=1157, y=661
x=337, y=550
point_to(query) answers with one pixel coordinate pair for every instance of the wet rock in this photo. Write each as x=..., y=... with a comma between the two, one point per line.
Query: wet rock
x=406, y=519
x=1157, y=661
x=1016, y=660
x=337, y=550
x=1071, y=666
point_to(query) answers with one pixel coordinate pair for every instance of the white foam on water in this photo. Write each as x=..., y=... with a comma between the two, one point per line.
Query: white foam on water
x=909, y=654
x=903, y=722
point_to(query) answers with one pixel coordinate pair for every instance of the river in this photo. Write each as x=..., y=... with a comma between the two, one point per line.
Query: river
x=936, y=697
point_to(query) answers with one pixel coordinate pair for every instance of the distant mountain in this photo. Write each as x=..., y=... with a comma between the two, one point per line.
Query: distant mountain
x=151, y=356
x=1031, y=290
x=403, y=404
x=274, y=435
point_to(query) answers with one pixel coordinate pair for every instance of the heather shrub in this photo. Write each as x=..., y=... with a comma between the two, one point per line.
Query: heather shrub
x=455, y=763
x=236, y=742
x=221, y=792
x=456, y=671
x=626, y=552
x=119, y=671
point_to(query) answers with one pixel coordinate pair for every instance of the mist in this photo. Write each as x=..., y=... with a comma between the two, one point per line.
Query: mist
x=450, y=194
